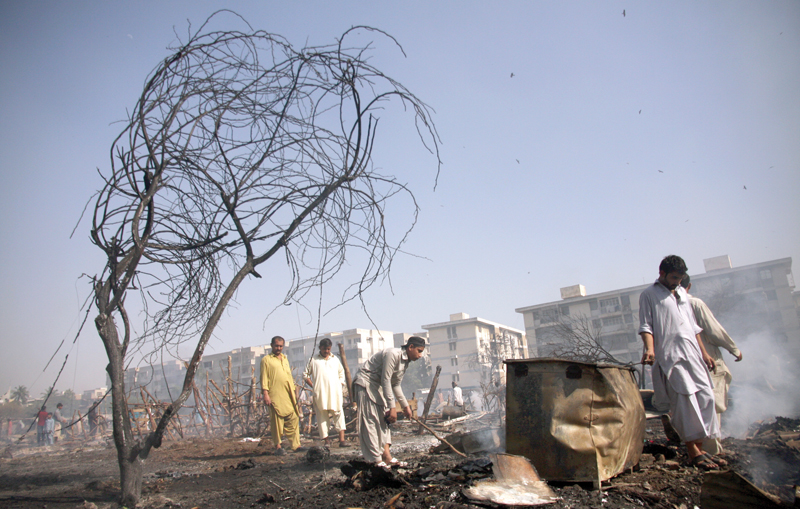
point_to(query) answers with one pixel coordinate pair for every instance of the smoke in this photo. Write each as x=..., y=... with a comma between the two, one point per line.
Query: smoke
x=764, y=383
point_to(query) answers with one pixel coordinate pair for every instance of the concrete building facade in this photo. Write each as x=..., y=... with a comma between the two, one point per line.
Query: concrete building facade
x=359, y=345
x=471, y=350
x=746, y=300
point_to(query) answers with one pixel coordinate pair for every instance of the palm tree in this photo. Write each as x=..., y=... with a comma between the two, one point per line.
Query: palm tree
x=20, y=394
x=46, y=393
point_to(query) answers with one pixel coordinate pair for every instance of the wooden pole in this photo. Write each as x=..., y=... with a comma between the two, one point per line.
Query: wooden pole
x=428, y=401
x=348, y=379
x=230, y=394
x=422, y=425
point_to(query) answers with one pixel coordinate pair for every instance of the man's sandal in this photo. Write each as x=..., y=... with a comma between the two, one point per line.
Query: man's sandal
x=704, y=462
x=397, y=463
x=715, y=459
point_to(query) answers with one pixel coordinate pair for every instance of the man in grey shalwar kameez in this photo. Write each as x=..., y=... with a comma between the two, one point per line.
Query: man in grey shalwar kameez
x=681, y=380
x=375, y=390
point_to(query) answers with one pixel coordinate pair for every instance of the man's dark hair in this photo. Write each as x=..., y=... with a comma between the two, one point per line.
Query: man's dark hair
x=325, y=342
x=59, y=405
x=673, y=263
x=685, y=281
x=277, y=338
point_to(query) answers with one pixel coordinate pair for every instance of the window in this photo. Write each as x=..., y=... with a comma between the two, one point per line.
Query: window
x=564, y=310
x=615, y=342
x=455, y=377
x=629, y=318
x=765, y=274
x=593, y=305
x=550, y=315
x=596, y=323
x=771, y=295
x=451, y=332
x=610, y=305
x=208, y=364
x=454, y=361
x=612, y=320
x=452, y=346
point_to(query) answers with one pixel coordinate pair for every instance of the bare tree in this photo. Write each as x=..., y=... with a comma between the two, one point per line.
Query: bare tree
x=576, y=338
x=240, y=148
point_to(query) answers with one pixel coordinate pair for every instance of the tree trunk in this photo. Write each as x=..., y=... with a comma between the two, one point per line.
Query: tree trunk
x=131, y=470
x=131, y=464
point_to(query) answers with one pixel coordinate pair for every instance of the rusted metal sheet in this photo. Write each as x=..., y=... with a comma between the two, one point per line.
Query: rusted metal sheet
x=575, y=421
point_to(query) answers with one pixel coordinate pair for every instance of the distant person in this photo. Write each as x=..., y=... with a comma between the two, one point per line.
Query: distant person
x=458, y=398
x=60, y=420
x=714, y=337
x=277, y=385
x=681, y=365
x=41, y=419
x=49, y=429
x=325, y=375
x=375, y=390
x=92, y=416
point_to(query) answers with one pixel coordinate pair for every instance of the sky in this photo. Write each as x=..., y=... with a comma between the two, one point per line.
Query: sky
x=579, y=146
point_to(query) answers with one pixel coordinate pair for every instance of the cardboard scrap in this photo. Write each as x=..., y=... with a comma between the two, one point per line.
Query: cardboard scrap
x=516, y=483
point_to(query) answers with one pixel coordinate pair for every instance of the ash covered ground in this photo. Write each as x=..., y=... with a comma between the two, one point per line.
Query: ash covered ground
x=232, y=473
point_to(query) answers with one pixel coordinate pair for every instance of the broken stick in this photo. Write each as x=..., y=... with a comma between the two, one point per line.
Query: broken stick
x=430, y=397
x=438, y=437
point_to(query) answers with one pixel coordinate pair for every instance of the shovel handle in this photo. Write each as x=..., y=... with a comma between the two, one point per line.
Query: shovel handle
x=438, y=437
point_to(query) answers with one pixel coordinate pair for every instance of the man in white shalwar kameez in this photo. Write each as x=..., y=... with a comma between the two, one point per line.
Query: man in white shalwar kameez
x=681, y=380
x=325, y=374
x=714, y=337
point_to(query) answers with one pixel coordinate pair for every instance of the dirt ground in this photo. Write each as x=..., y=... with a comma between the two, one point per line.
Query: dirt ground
x=235, y=473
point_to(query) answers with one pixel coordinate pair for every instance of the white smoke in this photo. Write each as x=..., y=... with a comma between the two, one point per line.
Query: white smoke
x=764, y=383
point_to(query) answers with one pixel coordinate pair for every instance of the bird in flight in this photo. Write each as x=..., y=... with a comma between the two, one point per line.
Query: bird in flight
x=745, y=188
x=623, y=13
x=512, y=74
x=517, y=161
x=659, y=171
x=640, y=112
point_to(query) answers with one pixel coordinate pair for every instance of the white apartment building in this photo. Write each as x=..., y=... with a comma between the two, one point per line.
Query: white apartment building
x=471, y=350
x=749, y=299
x=164, y=381
x=359, y=345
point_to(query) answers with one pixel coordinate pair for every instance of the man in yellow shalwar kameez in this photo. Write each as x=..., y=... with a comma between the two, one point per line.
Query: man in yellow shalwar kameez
x=278, y=388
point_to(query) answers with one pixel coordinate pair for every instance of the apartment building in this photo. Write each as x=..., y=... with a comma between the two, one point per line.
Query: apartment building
x=755, y=298
x=471, y=350
x=359, y=345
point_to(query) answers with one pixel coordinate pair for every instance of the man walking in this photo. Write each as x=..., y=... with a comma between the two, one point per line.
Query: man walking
x=278, y=388
x=672, y=344
x=325, y=374
x=375, y=390
x=714, y=337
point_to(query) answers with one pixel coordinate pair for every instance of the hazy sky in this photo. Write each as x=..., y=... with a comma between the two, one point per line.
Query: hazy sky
x=618, y=140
